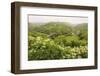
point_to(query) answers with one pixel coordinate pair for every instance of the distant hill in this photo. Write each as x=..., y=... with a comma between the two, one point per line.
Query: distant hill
x=81, y=30
x=59, y=28
x=51, y=27
x=82, y=26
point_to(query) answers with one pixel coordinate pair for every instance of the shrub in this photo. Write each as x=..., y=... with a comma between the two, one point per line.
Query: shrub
x=83, y=42
x=67, y=40
x=76, y=52
x=41, y=49
x=46, y=49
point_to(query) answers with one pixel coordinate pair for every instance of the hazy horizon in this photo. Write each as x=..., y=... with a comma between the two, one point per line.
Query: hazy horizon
x=46, y=19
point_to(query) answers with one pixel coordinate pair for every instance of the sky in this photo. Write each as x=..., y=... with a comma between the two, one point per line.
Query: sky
x=45, y=19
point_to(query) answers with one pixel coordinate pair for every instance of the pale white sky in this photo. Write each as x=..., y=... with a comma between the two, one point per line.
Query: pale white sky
x=45, y=19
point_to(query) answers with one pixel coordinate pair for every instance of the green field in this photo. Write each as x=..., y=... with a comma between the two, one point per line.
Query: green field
x=57, y=40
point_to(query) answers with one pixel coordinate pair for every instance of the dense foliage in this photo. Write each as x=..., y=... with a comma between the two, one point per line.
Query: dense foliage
x=57, y=40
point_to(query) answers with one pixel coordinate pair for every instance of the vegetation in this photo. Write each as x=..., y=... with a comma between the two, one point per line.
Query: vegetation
x=57, y=40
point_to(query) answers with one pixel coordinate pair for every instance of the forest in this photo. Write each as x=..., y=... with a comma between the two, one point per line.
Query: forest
x=57, y=40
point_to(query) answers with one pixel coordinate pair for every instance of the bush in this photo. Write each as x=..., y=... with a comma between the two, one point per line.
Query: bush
x=67, y=40
x=76, y=52
x=46, y=49
x=83, y=42
x=41, y=49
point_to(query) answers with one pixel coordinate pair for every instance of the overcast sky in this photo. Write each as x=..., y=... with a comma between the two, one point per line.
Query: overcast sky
x=45, y=19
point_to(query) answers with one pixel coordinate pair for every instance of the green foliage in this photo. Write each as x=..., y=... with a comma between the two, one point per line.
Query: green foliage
x=76, y=52
x=67, y=40
x=52, y=29
x=83, y=42
x=46, y=49
x=57, y=40
x=82, y=31
x=35, y=34
x=42, y=49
